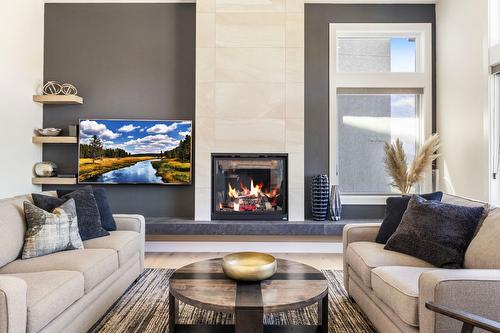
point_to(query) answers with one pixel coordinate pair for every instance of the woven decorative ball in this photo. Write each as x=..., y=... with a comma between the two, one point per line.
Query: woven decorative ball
x=68, y=89
x=52, y=88
x=320, y=193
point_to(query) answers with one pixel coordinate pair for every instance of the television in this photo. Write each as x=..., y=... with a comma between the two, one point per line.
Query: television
x=113, y=151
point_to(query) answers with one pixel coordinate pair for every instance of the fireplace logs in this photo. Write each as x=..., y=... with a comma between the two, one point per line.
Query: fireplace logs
x=250, y=199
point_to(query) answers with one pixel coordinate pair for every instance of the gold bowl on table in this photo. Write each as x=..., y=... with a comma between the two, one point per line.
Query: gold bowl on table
x=249, y=266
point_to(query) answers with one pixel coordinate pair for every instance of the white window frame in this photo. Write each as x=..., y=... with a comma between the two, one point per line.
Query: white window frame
x=420, y=80
x=494, y=101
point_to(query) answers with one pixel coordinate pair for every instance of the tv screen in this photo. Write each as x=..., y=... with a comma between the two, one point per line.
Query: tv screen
x=134, y=152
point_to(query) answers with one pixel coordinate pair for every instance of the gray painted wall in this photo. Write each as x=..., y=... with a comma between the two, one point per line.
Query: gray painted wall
x=317, y=20
x=127, y=61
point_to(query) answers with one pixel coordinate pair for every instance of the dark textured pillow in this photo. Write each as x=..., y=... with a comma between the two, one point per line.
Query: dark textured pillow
x=107, y=219
x=89, y=220
x=394, y=209
x=436, y=232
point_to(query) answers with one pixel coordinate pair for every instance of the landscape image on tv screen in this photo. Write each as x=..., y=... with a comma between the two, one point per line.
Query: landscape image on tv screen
x=135, y=151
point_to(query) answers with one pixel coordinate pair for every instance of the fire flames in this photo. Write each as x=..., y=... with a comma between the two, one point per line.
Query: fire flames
x=253, y=198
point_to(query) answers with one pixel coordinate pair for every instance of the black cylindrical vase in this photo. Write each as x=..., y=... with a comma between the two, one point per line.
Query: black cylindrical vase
x=319, y=197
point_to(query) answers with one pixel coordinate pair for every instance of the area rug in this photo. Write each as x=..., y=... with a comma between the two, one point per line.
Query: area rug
x=144, y=309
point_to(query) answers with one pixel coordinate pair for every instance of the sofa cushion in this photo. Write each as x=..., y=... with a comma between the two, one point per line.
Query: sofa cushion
x=126, y=243
x=95, y=264
x=484, y=250
x=362, y=257
x=12, y=228
x=397, y=287
x=49, y=294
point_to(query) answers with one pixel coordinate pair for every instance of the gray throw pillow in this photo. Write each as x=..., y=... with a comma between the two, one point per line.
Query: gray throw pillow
x=436, y=232
x=50, y=232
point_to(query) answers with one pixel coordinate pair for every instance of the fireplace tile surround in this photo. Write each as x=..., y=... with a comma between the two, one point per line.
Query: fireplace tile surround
x=249, y=89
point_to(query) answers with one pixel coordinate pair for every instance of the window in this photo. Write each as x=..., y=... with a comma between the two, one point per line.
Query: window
x=380, y=90
x=384, y=54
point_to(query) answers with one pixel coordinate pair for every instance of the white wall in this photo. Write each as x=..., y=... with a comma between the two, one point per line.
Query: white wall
x=462, y=93
x=21, y=73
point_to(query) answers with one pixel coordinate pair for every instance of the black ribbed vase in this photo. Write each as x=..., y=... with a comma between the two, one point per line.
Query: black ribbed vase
x=319, y=197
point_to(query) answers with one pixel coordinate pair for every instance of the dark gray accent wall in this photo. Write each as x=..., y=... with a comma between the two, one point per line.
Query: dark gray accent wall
x=127, y=61
x=317, y=20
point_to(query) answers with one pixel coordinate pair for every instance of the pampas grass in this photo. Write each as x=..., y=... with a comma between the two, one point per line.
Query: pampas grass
x=404, y=177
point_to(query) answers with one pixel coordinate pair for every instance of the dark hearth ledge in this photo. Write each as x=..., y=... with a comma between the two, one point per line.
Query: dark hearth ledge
x=178, y=226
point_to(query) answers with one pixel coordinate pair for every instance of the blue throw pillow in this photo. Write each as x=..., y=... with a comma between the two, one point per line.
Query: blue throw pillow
x=394, y=210
x=107, y=219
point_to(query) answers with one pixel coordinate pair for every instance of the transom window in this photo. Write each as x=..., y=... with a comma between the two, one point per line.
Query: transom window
x=380, y=90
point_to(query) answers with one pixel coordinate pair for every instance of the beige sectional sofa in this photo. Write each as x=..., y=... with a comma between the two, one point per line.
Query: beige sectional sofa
x=66, y=291
x=392, y=288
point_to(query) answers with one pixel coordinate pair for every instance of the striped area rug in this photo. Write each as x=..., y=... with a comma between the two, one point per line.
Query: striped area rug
x=144, y=309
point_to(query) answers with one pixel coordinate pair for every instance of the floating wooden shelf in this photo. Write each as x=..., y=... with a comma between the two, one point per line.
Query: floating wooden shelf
x=54, y=139
x=53, y=181
x=58, y=99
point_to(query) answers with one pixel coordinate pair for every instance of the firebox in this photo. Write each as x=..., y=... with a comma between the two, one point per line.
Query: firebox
x=249, y=187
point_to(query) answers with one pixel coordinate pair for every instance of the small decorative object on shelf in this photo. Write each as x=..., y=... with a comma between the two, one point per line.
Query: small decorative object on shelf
x=73, y=130
x=319, y=197
x=56, y=88
x=249, y=266
x=335, y=204
x=52, y=88
x=45, y=169
x=48, y=131
x=69, y=89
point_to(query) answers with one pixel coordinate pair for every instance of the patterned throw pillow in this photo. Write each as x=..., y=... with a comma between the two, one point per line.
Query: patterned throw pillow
x=50, y=232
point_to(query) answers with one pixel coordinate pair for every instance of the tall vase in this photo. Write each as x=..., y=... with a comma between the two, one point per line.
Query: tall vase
x=319, y=197
x=335, y=204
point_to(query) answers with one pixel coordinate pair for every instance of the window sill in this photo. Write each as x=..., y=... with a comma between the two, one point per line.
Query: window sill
x=367, y=200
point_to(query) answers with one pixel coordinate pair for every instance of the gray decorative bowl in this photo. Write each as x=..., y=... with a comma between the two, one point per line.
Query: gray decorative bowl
x=49, y=131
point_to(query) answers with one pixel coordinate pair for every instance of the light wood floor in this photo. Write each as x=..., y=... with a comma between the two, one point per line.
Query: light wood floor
x=331, y=261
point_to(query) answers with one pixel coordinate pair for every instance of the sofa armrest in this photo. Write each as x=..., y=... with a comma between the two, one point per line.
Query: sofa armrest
x=13, y=307
x=357, y=232
x=472, y=290
x=470, y=321
x=130, y=222
x=135, y=223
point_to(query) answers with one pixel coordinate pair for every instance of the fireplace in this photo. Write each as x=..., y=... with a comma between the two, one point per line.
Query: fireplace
x=249, y=187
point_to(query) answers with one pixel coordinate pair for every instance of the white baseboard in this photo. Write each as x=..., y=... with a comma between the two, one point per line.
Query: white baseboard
x=274, y=247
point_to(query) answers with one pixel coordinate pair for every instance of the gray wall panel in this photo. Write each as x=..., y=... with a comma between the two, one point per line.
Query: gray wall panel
x=127, y=61
x=317, y=20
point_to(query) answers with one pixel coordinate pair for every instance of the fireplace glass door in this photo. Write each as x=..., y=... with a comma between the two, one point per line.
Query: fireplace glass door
x=249, y=187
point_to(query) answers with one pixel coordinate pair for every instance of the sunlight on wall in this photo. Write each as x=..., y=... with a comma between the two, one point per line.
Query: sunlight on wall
x=21, y=65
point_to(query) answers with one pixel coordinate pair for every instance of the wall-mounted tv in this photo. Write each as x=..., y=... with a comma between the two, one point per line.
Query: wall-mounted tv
x=135, y=152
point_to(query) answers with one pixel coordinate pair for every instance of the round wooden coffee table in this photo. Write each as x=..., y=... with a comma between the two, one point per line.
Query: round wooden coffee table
x=204, y=285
